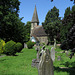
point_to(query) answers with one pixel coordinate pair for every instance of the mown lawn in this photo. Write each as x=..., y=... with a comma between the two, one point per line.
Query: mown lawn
x=21, y=64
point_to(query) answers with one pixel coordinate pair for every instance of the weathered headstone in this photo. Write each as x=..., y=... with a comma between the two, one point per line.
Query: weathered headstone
x=35, y=63
x=52, y=53
x=25, y=45
x=54, y=43
x=45, y=66
x=38, y=54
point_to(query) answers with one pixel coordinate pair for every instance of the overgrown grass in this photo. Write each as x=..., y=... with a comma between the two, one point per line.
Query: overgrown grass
x=21, y=64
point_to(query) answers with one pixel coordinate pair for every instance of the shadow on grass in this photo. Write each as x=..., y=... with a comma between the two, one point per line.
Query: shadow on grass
x=2, y=60
x=20, y=52
x=67, y=64
x=15, y=55
x=71, y=71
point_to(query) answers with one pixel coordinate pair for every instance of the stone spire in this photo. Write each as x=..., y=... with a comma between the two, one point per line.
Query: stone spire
x=35, y=16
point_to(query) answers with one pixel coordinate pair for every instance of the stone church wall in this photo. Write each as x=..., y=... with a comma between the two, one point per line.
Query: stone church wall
x=43, y=39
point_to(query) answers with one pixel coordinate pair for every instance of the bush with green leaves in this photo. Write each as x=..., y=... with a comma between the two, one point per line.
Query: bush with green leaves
x=30, y=44
x=19, y=47
x=2, y=43
x=10, y=48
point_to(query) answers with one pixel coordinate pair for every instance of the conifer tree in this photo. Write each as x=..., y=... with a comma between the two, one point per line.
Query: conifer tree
x=52, y=24
x=11, y=27
x=69, y=28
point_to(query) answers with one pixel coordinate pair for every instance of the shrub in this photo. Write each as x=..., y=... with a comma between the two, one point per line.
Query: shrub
x=30, y=44
x=0, y=39
x=2, y=43
x=10, y=48
x=19, y=47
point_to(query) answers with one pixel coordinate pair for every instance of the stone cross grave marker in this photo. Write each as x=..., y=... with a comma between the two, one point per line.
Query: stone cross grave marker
x=45, y=66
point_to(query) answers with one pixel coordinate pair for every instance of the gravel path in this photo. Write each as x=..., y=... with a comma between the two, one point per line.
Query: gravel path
x=2, y=56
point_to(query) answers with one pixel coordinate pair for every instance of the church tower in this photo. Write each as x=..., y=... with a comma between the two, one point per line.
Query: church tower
x=35, y=20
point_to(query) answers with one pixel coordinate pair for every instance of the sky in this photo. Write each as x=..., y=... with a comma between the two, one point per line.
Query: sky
x=43, y=6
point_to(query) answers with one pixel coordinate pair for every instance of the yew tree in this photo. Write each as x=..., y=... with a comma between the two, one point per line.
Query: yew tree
x=11, y=27
x=52, y=24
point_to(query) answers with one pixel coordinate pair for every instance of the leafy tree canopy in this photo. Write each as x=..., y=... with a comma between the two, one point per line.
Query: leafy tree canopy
x=52, y=23
x=67, y=22
x=27, y=31
x=68, y=31
x=11, y=27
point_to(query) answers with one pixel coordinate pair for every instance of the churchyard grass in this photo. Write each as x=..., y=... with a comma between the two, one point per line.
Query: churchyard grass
x=21, y=63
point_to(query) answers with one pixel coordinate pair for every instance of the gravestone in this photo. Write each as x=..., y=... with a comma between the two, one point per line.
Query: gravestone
x=35, y=62
x=53, y=53
x=25, y=45
x=54, y=43
x=38, y=53
x=59, y=58
x=45, y=66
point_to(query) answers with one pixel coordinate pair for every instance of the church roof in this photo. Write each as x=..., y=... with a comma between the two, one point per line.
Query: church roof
x=35, y=16
x=39, y=31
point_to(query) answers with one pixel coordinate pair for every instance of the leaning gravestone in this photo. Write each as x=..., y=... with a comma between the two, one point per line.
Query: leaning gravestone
x=45, y=66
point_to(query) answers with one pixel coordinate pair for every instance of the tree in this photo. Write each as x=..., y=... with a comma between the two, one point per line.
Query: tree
x=11, y=26
x=69, y=25
x=27, y=31
x=66, y=24
x=52, y=24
